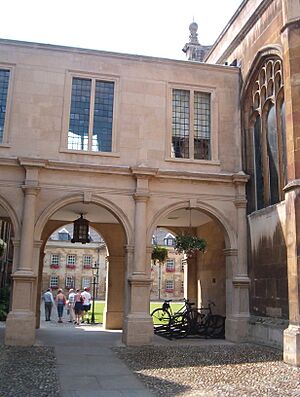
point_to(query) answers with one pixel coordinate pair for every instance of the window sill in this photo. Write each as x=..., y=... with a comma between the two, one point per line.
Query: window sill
x=191, y=161
x=5, y=145
x=89, y=152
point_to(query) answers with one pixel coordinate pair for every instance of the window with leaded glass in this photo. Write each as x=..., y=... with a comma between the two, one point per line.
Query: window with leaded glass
x=4, y=81
x=191, y=125
x=53, y=282
x=265, y=143
x=170, y=265
x=86, y=282
x=54, y=259
x=91, y=115
x=69, y=282
x=169, y=285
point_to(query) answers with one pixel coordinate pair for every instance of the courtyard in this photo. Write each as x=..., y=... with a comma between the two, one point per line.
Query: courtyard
x=88, y=361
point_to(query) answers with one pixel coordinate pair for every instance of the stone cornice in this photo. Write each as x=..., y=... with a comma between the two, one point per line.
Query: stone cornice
x=242, y=32
x=120, y=56
x=143, y=171
x=138, y=171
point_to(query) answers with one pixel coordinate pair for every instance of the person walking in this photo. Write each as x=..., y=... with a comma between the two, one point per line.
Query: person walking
x=71, y=304
x=60, y=303
x=78, y=306
x=86, y=305
x=49, y=302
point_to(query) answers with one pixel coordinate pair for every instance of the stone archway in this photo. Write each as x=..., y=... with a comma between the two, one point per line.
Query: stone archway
x=228, y=243
x=26, y=311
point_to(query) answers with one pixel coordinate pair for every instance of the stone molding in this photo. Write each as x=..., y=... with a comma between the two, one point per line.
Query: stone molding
x=31, y=190
x=293, y=185
x=241, y=281
x=293, y=24
x=230, y=252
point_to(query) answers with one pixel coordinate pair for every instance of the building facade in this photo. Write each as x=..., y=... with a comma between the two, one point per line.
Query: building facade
x=148, y=142
x=67, y=265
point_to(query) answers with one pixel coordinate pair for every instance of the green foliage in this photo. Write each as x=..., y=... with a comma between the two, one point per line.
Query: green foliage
x=4, y=303
x=159, y=254
x=188, y=244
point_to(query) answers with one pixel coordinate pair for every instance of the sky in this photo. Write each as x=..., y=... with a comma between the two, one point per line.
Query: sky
x=158, y=28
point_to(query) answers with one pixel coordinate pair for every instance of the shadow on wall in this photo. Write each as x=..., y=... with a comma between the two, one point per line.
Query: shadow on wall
x=268, y=262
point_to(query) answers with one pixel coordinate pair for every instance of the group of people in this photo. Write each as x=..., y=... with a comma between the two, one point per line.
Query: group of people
x=78, y=305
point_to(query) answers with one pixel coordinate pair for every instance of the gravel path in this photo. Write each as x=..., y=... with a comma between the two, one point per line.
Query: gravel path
x=213, y=371
x=28, y=371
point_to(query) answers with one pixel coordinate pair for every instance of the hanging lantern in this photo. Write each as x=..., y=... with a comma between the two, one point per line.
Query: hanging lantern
x=81, y=231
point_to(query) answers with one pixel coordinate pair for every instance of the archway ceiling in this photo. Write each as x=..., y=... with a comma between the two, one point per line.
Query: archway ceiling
x=98, y=214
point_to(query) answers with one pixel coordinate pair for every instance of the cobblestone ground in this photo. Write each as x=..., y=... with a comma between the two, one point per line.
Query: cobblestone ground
x=28, y=371
x=213, y=371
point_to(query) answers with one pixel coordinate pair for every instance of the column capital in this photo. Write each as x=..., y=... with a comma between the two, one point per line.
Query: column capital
x=141, y=196
x=230, y=252
x=240, y=202
x=31, y=190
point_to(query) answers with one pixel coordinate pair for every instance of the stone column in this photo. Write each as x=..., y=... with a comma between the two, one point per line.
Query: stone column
x=290, y=39
x=138, y=325
x=237, y=280
x=113, y=312
x=22, y=314
x=291, y=336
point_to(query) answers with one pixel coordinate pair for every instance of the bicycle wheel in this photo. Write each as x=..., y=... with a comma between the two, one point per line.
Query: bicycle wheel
x=179, y=326
x=215, y=327
x=161, y=320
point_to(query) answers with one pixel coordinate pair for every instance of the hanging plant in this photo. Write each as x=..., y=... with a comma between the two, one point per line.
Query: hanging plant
x=159, y=254
x=2, y=247
x=189, y=244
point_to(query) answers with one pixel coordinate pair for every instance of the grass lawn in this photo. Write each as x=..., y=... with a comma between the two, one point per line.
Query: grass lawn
x=99, y=307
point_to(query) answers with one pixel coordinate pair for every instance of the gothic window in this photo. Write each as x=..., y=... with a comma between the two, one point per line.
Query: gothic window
x=91, y=115
x=266, y=143
x=191, y=112
x=4, y=80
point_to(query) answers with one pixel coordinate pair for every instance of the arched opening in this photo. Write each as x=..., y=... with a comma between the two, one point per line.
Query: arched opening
x=208, y=276
x=75, y=266
x=108, y=238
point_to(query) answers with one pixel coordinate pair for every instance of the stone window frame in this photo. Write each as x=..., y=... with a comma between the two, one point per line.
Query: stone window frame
x=6, y=131
x=70, y=74
x=170, y=285
x=89, y=262
x=264, y=91
x=170, y=265
x=84, y=283
x=54, y=281
x=214, y=125
x=69, y=281
x=54, y=262
x=73, y=261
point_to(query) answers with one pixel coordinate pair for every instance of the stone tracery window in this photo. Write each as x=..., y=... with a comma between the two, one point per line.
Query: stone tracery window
x=265, y=145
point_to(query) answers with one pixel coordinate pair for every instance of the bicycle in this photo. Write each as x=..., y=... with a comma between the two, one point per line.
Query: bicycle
x=169, y=323
x=188, y=321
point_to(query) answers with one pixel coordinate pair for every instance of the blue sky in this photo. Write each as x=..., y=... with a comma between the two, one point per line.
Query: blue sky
x=156, y=28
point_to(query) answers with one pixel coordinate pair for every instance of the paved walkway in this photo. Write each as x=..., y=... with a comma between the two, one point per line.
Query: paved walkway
x=86, y=364
x=87, y=367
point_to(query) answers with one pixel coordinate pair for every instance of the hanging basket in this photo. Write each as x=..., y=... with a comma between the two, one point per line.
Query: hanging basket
x=2, y=247
x=159, y=254
x=189, y=244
